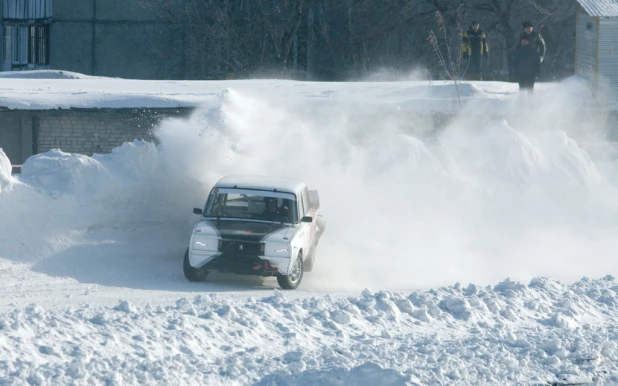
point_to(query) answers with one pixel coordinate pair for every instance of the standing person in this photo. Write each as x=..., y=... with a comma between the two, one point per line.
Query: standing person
x=534, y=38
x=474, y=47
x=526, y=64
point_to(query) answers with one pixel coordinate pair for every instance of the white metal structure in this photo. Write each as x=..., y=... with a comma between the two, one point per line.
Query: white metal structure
x=256, y=225
x=596, y=54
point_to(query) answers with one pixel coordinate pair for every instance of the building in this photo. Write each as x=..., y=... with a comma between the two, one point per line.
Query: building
x=83, y=130
x=115, y=38
x=133, y=39
x=596, y=56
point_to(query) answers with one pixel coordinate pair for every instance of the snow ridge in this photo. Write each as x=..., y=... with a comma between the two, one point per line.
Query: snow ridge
x=513, y=333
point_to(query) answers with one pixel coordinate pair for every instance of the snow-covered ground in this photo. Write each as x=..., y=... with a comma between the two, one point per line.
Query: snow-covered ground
x=480, y=253
x=509, y=333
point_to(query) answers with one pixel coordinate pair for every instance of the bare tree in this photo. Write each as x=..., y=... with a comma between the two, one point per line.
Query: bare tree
x=450, y=61
x=281, y=20
x=346, y=39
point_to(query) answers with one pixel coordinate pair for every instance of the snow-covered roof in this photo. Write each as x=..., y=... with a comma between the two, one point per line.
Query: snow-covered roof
x=54, y=89
x=282, y=184
x=600, y=8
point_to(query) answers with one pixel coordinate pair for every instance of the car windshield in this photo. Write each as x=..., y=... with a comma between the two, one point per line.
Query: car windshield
x=251, y=205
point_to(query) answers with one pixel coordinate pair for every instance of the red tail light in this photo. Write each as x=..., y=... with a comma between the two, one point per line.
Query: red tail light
x=268, y=267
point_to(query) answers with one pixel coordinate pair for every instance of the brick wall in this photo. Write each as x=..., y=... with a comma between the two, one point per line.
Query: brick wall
x=95, y=131
x=10, y=139
x=83, y=131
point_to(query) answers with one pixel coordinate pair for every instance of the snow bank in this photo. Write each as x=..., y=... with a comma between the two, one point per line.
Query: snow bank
x=542, y=332
x=86, y=178
x=58, y=172
x=5, y=171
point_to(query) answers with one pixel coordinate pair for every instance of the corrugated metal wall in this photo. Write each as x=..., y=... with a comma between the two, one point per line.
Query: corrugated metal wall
x=608, y=59
x=27, y=9
x=586, y=46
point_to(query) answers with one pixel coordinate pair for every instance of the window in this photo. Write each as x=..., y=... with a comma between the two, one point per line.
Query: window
x=27, y=9
x=26, y=46
x=31, y=44
x=26, y=34
x=42, y=39
x=19, y=45
x=37, y=44
x=7, y=44
x=251, y=204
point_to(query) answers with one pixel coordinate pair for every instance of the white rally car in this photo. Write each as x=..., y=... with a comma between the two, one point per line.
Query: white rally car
x=256, y=225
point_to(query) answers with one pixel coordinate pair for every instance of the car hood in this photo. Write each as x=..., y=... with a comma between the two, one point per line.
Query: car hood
x=245, y=230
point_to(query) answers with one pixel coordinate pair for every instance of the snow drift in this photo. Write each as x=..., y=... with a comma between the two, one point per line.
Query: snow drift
x=541, y=333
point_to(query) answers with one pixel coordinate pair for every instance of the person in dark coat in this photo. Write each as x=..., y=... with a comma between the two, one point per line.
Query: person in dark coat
x=535, y=38
x=474, y=47
x=526, y=64
x=275, y=209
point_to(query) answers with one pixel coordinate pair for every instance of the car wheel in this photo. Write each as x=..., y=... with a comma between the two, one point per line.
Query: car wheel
x=292, y=280
x=191, y=273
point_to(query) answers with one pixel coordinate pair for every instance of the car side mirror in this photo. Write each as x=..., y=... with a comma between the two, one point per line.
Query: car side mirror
x=307, y=219
x=198, y=211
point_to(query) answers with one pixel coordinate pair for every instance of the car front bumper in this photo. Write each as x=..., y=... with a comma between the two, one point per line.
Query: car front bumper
x=240, y=264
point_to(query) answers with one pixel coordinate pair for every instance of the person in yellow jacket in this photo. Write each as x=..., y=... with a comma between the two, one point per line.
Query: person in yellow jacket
x=474, y=48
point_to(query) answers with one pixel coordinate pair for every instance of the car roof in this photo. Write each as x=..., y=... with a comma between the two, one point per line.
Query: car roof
x=281, y=184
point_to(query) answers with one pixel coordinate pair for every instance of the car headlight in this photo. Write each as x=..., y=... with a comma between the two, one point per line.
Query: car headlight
x=277, y=249
x=205, y=244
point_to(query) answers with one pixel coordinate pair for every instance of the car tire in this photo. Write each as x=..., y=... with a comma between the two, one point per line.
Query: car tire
x=191, y=273
x=292, y=281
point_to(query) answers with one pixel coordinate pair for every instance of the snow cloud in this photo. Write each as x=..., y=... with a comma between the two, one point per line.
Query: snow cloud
x=485, y=197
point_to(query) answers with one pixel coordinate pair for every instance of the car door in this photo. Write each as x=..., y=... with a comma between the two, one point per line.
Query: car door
x=305, y=226
x=311, y=211
x=308, y=226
